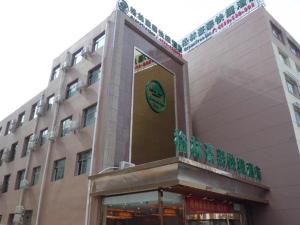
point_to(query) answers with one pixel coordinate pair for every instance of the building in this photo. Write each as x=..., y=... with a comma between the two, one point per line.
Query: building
x=121, y=134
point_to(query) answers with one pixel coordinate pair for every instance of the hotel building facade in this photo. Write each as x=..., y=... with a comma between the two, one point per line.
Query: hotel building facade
x=131, y=131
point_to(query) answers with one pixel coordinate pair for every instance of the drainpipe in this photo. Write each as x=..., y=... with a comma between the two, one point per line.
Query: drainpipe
x=49, y=149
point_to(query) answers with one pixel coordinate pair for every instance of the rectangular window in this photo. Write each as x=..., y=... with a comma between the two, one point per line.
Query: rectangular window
x=55, y=72
x=297, y=114
x=20, y=177
x=65, y=126
x=11, y=219
x=71, y=89
x=298, y=70
x=277, y=33
x=43, y=136
x=1, y=155
x=5, y=183
x=294, y=49
x=83, y=162
x=89, y=115
x=94, y=75
x=25, y=149
x=33, y=112
x=21, y=119
x=284, y=59
x=50, y=102
x=7, y=130
x=0, y=218
x=99, y=41
x=27, y=219
x=58, y=169
x=77, y=57
x=35, y=175
x=14, y=148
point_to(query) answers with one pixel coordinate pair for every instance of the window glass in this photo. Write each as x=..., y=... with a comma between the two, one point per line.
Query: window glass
x=35, y=175
x=27, y=218
x=20, y=177
x=55, y=72
x=58, y=170
x=26, y=146
x=65, y=126
x=21, y=119
x=33, y=113
x=44, y=136
x=1, y=155
x=99, y=41
x=89, y=115
x=77, y=57
x=50, y=102
x=7, y=130
x=277, y=33
x=284, y=59
x=5, y=183
x=297, y=114
x=14, y=148
x=71, y=89
x=94, y=75
x=83, y=162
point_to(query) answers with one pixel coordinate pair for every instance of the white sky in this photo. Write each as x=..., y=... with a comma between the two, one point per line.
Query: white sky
x=34, y=32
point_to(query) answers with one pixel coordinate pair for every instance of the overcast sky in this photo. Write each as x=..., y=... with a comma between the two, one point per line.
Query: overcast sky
x=34, y=32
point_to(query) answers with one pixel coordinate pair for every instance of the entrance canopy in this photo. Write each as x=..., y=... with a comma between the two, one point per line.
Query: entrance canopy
x=180, y=175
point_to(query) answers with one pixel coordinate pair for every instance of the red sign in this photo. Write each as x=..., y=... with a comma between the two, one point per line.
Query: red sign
x=206, y=206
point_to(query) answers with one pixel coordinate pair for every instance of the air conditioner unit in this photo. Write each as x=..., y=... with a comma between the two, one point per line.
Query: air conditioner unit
x=80, y=85
x=13, y=126
x=65, y=66
x=125, y=165
x=58, y=99
x=7, y=155
x=41, y=107
x=20, y=209
x=24, y=183
x=33, y=142
x=52, y=135
x=73, y=125
x=86, y=51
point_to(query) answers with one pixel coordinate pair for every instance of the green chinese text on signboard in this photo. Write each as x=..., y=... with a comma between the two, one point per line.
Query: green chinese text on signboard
x=156, y=96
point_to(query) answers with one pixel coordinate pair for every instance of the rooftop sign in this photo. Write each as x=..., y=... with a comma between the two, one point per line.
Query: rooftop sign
x=139, y=18
x=220, y=22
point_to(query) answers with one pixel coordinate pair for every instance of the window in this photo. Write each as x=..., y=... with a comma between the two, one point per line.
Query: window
x=98, y=41
x=58, y=169
x=65, y=126
x=298, y=70
x=297, y=114
x=292, y=86
x=277, y=33
x=83, y=162
x=27, y=218
x=50, y=102
x=7, y=130
x=0, y=218
x=21, y=119
x=1, y=155
x=77, y=57
x=43, y=136
x=14, y=148
x=284, y=59
x=5, y=183
x=35, y=175
x=55, y=72
x=94, y=75
x=11, y=219
x=294, y=49
x=25, y=150
x=90, y=115
x=33, y=112
x=71, y=89
x=20, y=177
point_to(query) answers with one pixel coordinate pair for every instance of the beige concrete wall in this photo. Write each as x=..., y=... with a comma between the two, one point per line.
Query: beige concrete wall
x=238, y=103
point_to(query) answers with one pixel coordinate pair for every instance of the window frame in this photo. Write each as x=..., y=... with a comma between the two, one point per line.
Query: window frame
x=25, y=149
x=98, y=39
x=55, y=170
x=71, y=91
x=284, y=58
x=49, y=106
x=34, y=178
x=5, y=183
x=43, y=139
x=33, y=111
x=55, y=72
x=14, y=148
x=76, y=55
x=80, y=161
x=62, y=129
x=21, y=119
x=277, y=33
x=91, y=78
x=20, y=176
x=85, y=115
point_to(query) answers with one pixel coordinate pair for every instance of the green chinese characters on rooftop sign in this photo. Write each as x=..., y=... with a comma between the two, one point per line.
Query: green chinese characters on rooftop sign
x=206, y=153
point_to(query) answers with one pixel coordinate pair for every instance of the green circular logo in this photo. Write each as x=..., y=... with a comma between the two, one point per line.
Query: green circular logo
x=123, y=6
x=156, y=96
